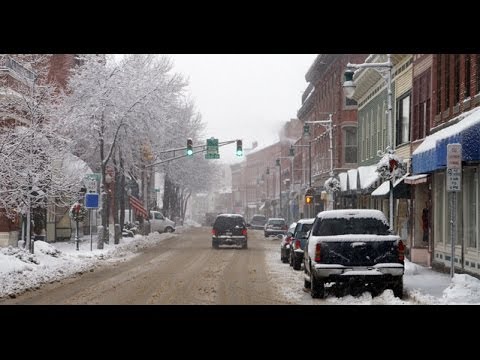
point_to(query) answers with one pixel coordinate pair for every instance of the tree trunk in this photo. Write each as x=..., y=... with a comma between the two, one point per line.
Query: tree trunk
x=121, y=191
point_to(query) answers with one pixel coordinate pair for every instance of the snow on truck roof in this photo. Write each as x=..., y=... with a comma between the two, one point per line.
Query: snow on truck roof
x=352, y=213
x=306, y=221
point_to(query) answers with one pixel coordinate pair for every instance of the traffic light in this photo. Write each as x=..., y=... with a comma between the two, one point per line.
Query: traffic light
x=189, y=147
x=308, y=199
x=239, y=148
x=292, y=151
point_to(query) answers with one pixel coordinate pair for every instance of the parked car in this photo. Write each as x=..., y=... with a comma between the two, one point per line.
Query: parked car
x=275, y=226
x=258, y=222
x=229, y=229
x=353, y=247
x=299, y=240
x=285, y=244
x=160, y=223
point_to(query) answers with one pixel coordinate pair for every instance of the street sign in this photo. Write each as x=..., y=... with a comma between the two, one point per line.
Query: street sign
x=212, y=149
x=454, y=180
x=91, y=182
x=91, y=201
x=454, y=167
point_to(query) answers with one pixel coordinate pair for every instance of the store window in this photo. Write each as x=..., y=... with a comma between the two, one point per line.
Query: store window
x=403, y=120
x=350, y=145
x=439, y=206
x=470, y=193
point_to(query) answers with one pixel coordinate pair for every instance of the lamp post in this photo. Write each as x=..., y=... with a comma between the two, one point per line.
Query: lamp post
x=291, y=154
x=328, y=124
x=280, y=184
x=385, y=71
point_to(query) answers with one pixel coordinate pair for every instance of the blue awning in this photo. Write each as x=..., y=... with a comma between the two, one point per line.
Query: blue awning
x=431, y=155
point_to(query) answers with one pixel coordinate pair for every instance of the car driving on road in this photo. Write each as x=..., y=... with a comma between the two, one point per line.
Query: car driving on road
x=229, y=229
x=258, y=222
x=275, y=226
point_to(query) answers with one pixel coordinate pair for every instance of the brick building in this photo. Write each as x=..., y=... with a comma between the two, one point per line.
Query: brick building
x=324, y=96
x=454, y=117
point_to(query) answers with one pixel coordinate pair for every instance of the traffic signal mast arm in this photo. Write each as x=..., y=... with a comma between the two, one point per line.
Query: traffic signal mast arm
x=204, y=149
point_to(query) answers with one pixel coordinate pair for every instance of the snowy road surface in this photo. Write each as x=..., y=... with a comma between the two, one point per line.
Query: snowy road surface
x=182, y=268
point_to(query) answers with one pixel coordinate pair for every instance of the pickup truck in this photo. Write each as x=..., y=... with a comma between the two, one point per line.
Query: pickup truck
x=160, y=223
x=353, y=247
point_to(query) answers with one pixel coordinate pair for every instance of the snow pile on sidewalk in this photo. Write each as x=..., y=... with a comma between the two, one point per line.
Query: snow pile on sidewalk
x=20, y=270
x=464, y=289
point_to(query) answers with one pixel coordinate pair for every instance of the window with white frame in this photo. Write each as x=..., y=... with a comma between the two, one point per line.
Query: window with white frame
x=403, y=119
x=350, y=144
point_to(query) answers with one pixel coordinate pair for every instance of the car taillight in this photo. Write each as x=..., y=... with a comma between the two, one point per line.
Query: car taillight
x=401, y=250
x=214, y=232
x=317, y=253
x=297, y=244
x=288, y=239
x=244, y=232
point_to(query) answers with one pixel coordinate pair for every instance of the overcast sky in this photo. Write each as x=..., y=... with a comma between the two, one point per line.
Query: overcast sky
x=245, y=96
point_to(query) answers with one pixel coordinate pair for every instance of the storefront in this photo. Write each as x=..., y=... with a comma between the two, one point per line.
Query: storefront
x=431, y=158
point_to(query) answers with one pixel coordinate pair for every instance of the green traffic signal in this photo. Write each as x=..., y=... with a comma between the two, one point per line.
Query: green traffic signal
x=189, y=147
x=239, y=148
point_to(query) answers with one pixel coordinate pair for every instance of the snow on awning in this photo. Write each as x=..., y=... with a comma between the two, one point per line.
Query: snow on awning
x=343, y=181
x=384, y=188
x=352, y=179
x=432, y=153
x=367, y=176
x=416, y=179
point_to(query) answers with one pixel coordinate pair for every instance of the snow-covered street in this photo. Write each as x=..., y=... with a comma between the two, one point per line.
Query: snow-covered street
x=21, y=271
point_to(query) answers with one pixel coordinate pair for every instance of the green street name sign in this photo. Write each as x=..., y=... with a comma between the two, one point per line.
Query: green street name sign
x=212, y=149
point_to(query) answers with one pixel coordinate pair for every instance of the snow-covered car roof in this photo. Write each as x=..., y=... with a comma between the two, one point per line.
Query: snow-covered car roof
x=231, y=215
x=352, y=213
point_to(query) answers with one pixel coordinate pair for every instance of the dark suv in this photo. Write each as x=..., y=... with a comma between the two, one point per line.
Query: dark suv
x=229, y=229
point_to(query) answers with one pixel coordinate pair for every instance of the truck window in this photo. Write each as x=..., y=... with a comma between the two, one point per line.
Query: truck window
x=345, y=226
x=158, y=216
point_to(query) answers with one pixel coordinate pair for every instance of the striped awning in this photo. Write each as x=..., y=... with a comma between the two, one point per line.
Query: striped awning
x=137, y=206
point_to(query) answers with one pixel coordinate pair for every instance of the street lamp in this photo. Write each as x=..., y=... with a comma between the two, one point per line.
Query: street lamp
x=329, y=125
x=291, y=154
x=385, y=71
x=280, y=184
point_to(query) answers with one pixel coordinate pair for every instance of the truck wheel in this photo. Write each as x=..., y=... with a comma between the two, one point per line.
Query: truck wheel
x=297, y=264
x=306, y=283
x=214, y=245
x=317, y=288
x=245, y=246
x=168, y=229
x=398, y=288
